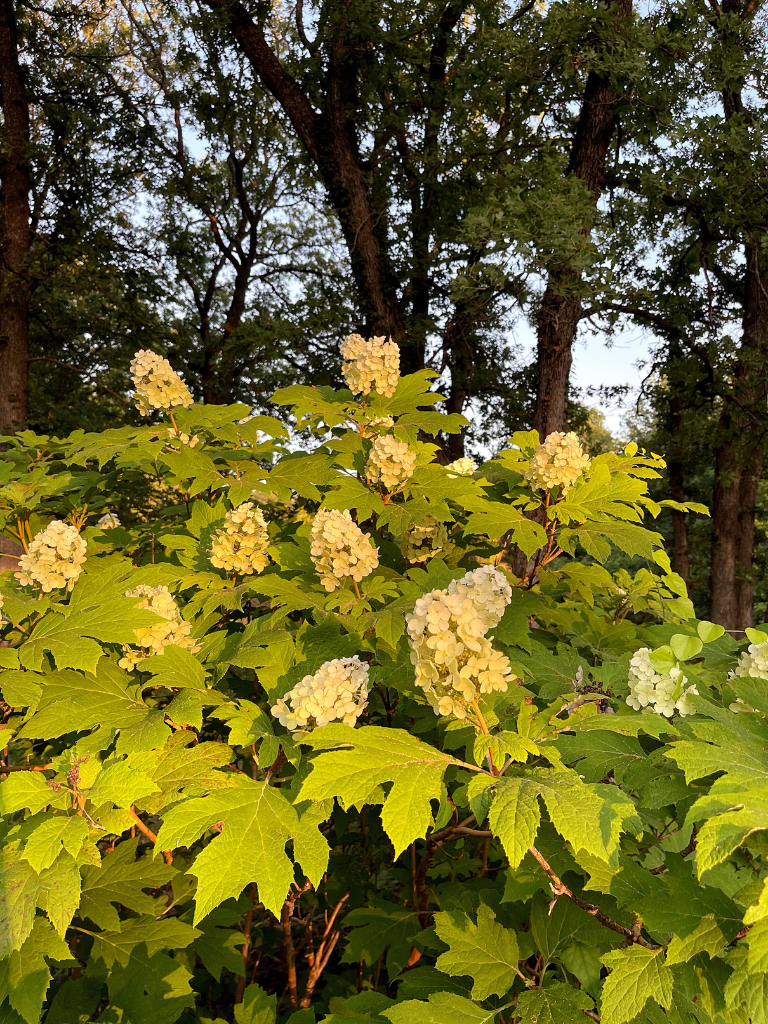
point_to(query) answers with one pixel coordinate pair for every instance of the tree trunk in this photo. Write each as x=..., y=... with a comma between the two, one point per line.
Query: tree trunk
x=739, y=457
x=680, y=557
x=329, y=137
x=561, y=307
x=16, y=236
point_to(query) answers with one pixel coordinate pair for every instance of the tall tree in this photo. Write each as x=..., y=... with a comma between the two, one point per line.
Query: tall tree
x=417, y=142
x=561, y=305
x=15, y=230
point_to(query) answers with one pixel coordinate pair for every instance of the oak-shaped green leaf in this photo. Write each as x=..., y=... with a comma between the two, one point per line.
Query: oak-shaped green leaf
x=258, y=821
x=637, y=975
x=485, y=951
x=57, y=833
x=374, y=756
x=442, y=1008
x=554, y=1004
x=24, y=789
x=381, y=926
x=146, y=983
x=121, y=879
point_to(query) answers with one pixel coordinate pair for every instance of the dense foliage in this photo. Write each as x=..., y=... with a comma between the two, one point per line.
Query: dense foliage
x=287, y=744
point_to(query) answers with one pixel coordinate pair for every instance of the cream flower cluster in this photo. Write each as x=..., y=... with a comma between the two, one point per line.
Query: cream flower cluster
x=379, y=424
x=453, y=658
x=423, y=542
x=185, y=439
x=462, y=467
x=559, y=462
x=390, y=462
x=753, y=662
x=172, y=632
x=339, y=548
x=109, y=521
x=338, y=691
x=488, y=590
x=370, y=365
x=661, y=692
x=54, y=558
x=241, y=545
x=157, y=384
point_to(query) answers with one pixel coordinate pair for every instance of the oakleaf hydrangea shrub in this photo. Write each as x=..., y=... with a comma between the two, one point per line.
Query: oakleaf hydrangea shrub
x=288, y=740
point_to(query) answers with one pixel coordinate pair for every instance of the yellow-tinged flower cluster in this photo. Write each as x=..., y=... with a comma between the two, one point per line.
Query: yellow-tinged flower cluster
x=54, y=558
x=462, y=467
x=488, y=590
x=390, y=462
x=157, y=384
x=662, y=692
x=423, y=542
x=185, y=439
x=454, y=660
x=340, y=549
x=241, y=545
x=109, y=521
x=338, y=691
x=370, y=365
x=559, y=462
x=379, y=424
x=173, y=631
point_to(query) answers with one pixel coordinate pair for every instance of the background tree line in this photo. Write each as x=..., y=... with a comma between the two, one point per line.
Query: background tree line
x=238, y=186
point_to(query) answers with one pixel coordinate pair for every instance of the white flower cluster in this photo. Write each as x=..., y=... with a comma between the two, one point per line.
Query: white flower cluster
x=453, y=658
x=241, y=545
x=559, y=462
x=337, y=691
x=390, y=462
x=753, y=662
x=662, y=692
x=157, y=384
x=462, y=467
x=108, y=521
x=339, y=548
x=488, y=590
x=172, y=632
x=370, y=365
x=54, y=558
x=185, y=439
x=423, y=542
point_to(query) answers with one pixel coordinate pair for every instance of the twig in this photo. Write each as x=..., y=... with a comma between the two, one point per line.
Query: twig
x=559, y=888
x=147, y=831
x=323, y=954
x=290, y=951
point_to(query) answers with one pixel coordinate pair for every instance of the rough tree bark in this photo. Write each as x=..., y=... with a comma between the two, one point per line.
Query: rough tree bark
x=15, y=234
x=561, y=307
x=741, y=429
x=329, y=137
x=739, y=457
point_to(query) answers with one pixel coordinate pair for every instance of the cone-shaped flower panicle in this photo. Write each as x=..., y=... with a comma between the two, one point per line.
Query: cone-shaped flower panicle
x=454, y=661
x=338, y=691
x=340, y=549
x=559, y=462
x=370, y=365
x=425, y=541
x=462, y=467
x=172, y=631
x=488, y=590
x=662, y=692
x=241, y=545
x=109, y=521
x=390, y=462
x=54, y=559
x=158, y=385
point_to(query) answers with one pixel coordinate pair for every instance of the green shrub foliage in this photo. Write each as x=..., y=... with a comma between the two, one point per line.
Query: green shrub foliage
x=286, y=738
